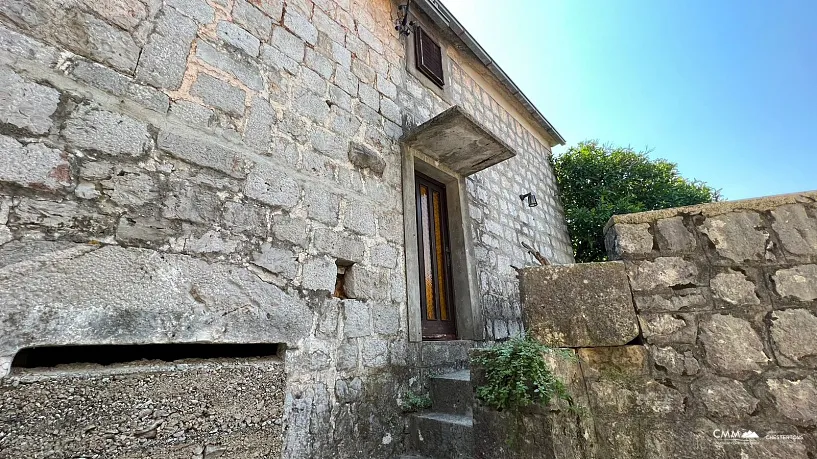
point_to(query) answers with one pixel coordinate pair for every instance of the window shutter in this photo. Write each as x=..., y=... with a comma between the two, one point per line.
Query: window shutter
x=429, y=57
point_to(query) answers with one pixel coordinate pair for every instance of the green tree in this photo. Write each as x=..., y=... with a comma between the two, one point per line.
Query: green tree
x=598, y=181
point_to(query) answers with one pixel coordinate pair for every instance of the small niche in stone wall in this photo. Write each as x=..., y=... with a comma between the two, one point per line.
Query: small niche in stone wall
x=340, y=283
x=51, y=356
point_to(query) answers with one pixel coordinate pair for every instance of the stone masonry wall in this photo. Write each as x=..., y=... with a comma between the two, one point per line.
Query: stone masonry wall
x=707, y=325
x=179, y=171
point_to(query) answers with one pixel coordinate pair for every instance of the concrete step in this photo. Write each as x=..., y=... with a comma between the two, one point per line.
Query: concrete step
x=443, y=435
x=452, y=393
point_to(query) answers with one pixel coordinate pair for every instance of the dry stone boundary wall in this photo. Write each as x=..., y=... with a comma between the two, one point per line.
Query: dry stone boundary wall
x=706, y=324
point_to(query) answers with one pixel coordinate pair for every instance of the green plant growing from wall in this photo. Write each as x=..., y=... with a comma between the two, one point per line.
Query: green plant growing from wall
x=598, y=181
x=518, y=375
x=412, y=403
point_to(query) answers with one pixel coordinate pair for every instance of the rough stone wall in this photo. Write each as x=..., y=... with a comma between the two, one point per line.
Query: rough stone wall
x=725, y=295
x=725, y=301
x=180, y=171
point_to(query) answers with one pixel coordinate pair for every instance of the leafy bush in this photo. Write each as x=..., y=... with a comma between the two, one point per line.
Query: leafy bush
x=599, y=181
x=411, y=402
x=517, y=375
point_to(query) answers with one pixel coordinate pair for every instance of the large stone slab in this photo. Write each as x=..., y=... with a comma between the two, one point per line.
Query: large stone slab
x=581, y=305
x=80, y=294
x=159, y=410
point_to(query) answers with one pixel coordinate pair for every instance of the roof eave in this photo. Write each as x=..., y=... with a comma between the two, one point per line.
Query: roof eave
x=444, y=19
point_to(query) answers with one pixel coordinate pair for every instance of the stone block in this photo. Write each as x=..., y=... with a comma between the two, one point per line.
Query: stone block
x=292, y=46
x=345, y=247
x=301, y=26
x=191, y=203
x=357, y=319
x=793, y=334
x=206, y=301
x=238, y=38
x=272, y=187
x=260, y=125
x=81, y=31
x=724, y=398
x=5, y=232
x=252, y=19
x=683, y=300
x=674, y=362
x=668, y=328
x=164, y=58
x=107, y=133
x=245, y=72
x=796, y=400
x=26, y=105
x=144, y=231
x=322, y=205
x=613, y=362
x=310, y=105
x=623, y=240
x=673, y=236
x=732, y=346
x=736, y=236
x=21, y=45
x=349, y=391
x=360, y=218
x=798, y=283
x=796, y=229
x=734, y=288
x=366, y=158
x=192, y=113
x=155, y=412
x=219, y=94
x=319, y=273
x=131, y=187
x=276, y=59
x=290, y=229
x=272, y=8
x=664, y=272
x=347, y=357
x=375, y=352
x=211, y=242
x=204, y=153
x=276, y=260
x=198, y=10
x=580, y=305
x=246, y=218
x=383, y=255
x=386, y=318
x=366, y=284
x=33, y=165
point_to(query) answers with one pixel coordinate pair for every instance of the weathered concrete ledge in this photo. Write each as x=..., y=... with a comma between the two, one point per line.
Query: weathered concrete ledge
x=716, y=208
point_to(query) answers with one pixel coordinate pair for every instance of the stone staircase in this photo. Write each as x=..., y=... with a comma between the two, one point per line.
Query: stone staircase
x=446, y=431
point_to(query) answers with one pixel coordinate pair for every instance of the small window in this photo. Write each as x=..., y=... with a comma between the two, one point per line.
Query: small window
x=429, y=57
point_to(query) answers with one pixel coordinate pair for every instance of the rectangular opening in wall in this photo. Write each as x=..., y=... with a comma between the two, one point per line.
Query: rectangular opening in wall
x=52, y=356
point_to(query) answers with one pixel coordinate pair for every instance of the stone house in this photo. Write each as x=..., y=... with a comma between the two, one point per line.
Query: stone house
x=296, y=179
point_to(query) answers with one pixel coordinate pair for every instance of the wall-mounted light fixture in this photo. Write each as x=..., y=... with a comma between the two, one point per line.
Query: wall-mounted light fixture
x=402, y=23
x=531, y=199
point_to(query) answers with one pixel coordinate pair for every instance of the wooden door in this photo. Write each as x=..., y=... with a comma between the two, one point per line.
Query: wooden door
x=436, y=295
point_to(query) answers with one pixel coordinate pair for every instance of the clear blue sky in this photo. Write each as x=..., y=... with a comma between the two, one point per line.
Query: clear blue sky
x=725, y=89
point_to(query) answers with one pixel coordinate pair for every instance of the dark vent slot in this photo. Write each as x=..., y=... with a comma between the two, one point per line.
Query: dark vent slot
x=110, y=354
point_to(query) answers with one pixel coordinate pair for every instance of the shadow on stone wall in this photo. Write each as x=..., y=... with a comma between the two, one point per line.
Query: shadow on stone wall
x=704, y=329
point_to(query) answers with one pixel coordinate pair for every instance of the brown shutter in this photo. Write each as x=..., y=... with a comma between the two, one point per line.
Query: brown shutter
x=429, y=57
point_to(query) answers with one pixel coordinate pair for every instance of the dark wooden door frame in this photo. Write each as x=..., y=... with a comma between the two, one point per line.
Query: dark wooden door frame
x=435, y=328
